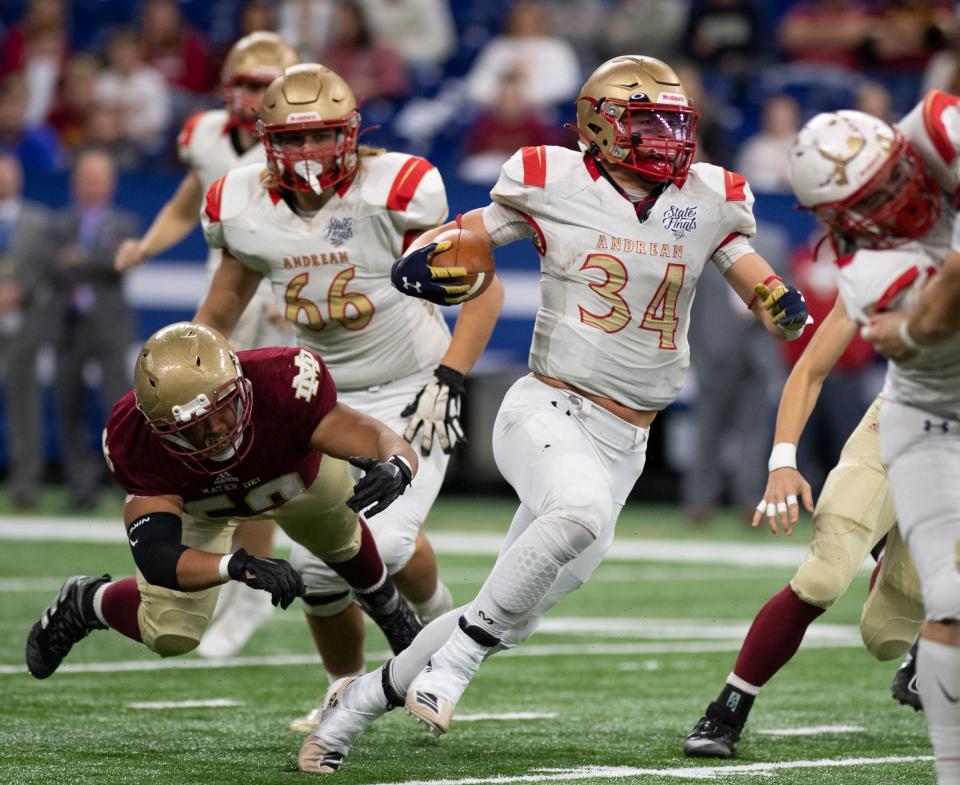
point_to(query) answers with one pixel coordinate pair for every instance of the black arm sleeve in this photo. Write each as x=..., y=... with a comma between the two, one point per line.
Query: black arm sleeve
x=155, y=542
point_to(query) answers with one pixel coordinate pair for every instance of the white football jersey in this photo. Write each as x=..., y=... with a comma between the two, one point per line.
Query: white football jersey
x=331, y=271
x=872, y=281
x=204, y=144
x=616, y=292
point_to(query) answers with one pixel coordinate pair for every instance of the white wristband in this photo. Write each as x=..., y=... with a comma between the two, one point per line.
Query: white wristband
x=405, y=463
x=782, y=456
x=224, y=572
x=908, y=340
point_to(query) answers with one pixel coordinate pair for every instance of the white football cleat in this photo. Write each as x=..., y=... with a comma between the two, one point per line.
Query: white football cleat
x=245, y=612
x=305, y=723
x=433, y=696
x=351, y=704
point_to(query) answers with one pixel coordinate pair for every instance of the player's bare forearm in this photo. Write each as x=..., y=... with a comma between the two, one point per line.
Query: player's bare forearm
x=344, y=432
x=803, y=385
x=232, y=288
x=177, y=217
x=936, y=315
x=749, y=270
x=473, y=221
x=475, y=324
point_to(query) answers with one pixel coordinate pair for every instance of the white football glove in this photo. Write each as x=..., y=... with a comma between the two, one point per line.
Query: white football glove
x=436, y=409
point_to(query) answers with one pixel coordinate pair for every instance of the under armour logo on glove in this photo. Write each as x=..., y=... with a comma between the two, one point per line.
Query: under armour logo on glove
x=785, y=304
x=414, y=276
x=436, y=410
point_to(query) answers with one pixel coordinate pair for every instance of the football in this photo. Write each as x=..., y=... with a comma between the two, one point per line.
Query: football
x=468, y=251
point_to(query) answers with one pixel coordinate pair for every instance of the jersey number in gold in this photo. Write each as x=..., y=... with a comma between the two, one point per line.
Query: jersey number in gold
x=352, y=309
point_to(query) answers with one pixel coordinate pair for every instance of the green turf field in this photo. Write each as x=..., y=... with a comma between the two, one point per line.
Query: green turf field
x=610, y=686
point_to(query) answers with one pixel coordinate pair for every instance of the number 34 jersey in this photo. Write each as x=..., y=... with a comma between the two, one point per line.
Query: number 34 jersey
x=616, y=291
x=331, y=270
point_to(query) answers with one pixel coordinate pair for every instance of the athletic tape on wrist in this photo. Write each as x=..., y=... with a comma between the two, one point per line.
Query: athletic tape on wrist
x=782, y=456
x=223, y=567
x=908, y=340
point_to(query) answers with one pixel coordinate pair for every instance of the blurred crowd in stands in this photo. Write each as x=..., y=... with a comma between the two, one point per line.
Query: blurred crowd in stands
x=466, y=83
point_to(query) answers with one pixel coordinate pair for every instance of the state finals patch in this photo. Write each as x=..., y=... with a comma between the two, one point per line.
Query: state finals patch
x=680, y=221
x=338, y=230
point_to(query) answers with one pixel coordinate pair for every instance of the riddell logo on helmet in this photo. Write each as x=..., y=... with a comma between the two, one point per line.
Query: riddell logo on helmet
x=672, y=98
x=303, y=117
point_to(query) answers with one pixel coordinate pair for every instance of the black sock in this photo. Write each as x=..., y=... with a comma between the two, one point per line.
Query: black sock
x=737, y=702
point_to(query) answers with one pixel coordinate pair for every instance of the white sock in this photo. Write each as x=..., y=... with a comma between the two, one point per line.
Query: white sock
x=439, y=603
x=938, y=666
x=461, y=654
x=98, y=601
x=408, y=663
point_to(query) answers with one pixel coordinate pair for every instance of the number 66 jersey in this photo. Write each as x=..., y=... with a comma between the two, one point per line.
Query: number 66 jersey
x=617, y=280
x=331, y=270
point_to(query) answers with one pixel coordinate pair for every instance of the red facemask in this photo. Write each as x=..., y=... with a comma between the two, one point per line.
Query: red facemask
x=312, y=168
x=242, y=96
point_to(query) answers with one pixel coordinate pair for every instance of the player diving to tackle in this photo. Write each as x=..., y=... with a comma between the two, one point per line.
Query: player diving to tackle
x=624, y=229
x=210, y=144
x=323, y=224
x=208, y=438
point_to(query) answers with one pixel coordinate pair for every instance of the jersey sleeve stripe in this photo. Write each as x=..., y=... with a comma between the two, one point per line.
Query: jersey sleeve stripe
x=902, y=283
x=186, y=133
x=934, y=106
x=735, y=185
x=730, y=237
x=214, y=196
x=539, y=240
x=592, y=167
x=406, y=182
x=535, y=166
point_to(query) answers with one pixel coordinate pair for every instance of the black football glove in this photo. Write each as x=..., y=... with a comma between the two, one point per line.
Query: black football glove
x=382, y=482
x=416, y=277
x=273, y=575
x=436, y=409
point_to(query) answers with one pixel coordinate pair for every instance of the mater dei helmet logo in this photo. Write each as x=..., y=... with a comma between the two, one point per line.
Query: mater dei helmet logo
x=680, y=221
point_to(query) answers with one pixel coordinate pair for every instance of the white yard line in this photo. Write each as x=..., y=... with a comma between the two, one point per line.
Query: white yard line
x=813, y=730
x=212, y=703
x=517, y=715
x=526, y=650
x=455, y=543
x=764, y=770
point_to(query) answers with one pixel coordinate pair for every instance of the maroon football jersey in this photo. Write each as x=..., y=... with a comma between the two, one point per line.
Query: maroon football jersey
x=292, y=391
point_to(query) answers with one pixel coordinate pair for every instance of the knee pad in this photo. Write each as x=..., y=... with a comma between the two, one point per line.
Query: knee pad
x=580, y=495
x=326, y=605
x=396, y=544
x=823, y=577
x=174, y=632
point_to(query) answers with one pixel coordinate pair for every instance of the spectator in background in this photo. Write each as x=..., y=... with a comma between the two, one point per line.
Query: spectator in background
x=733, y=359
x=547, y=65
x=25, y=299
x=651, y=27
x=499, y=132
x=38, y=49
x=907, y=34
x=105, y=131
x=714, y=142
x=371, y=68
x=724, y=36
x=875, y=99
x=582, y=23
x=845, y=394
x=421, y=31
x=71, y=113
x=138, y=90
x=37, y=148
x=176, y=51
x=93, y=319
x=306, y=25
x=828, y=32
x=943, y=70
x=763, y=157
x=257, y=15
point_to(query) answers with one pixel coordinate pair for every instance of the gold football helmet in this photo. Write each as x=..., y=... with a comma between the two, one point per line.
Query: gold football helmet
x=185, y=374
x=633, y=112
x=252, y=63
x=308, y=125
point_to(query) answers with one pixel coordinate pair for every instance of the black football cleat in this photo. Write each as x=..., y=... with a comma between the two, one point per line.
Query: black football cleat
x=904, y=687
x=68, y=619
x=392, y=614
x=715, y=736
